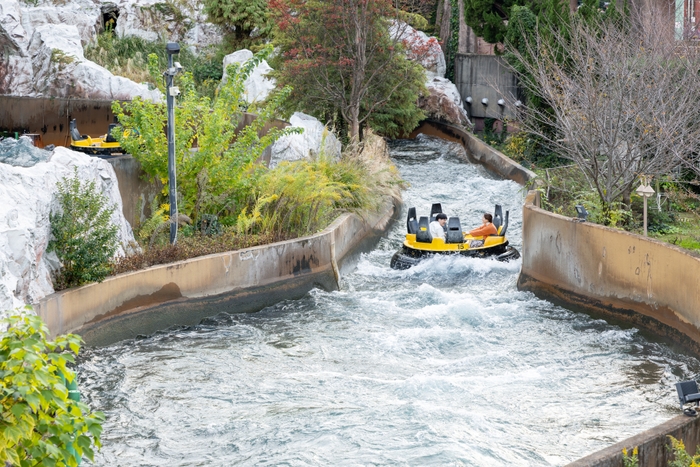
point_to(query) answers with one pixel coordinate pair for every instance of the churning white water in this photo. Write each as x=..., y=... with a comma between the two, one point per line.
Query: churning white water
x=446, y=363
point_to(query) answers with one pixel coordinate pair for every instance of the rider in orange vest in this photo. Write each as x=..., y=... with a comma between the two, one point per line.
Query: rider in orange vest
x=486, y=229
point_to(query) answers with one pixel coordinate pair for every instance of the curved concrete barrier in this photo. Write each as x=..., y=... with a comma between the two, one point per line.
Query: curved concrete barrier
x=183, y=293
x=619, y=276
x=478, y=151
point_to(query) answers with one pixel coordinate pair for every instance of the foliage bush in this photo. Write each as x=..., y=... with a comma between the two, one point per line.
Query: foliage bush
x=296, y=198
x=630, y=460
x=240, y=18
x=302, y=197
x=82, y=234
x=188, y=246
x=681, y=456
x=217, y=169
x=41, y=424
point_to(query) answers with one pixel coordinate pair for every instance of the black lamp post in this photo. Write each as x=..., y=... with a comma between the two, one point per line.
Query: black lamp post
x=172, y=91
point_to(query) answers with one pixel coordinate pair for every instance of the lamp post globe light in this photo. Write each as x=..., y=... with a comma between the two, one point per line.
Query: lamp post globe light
x=645, y=191
x=172, y=48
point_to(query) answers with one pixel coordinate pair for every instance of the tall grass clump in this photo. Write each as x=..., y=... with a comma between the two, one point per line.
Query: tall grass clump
x=302, y=197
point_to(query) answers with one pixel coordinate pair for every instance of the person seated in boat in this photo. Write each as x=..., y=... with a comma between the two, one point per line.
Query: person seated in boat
x=479, y=234
x=437, y=227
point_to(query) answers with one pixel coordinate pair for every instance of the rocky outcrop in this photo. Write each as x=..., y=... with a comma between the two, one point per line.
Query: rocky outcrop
x=421, y=48
x=45, y=55
x=28, y=198
x=183, y=22
x=43, y=44
x=444, y=102
x=258, y=86
x=314, y=140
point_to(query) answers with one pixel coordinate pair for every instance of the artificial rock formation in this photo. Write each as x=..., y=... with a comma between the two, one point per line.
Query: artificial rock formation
x=28, y=194
x=43, y=44
x=443, y=101
x=314, y=140
x=258, y=86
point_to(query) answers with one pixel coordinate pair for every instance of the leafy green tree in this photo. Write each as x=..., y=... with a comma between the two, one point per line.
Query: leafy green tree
x=239, y=17
x=82, y=234
x=488, y=18
x=342, y=58
x=43, y=423
x=216, y=163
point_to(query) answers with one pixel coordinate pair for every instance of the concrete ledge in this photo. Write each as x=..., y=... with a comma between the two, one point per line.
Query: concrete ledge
x=619, y=276
x=478, y=151
x=183, y=293
x=653, y=444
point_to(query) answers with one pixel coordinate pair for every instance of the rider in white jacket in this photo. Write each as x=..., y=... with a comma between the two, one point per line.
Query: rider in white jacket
x=437, y=227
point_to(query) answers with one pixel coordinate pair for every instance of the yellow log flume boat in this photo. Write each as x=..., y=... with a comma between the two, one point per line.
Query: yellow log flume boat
x=420, y=244
x=105, y=145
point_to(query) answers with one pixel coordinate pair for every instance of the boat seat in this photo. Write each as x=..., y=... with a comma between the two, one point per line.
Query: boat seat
x=454, y=231
x=498, y=216
x=688, y=393
x=74, y=133
x=435, y=209
x=411, y=221
x=504, y=227
x=110, y=138
x=423, y=233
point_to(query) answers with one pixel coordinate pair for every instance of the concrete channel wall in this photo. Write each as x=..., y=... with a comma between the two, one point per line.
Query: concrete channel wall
x=183, y=293
x=604, y=272
x=477, y=151
x=621, y=277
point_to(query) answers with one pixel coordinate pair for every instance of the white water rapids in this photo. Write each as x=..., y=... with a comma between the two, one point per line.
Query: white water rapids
x=446, y=363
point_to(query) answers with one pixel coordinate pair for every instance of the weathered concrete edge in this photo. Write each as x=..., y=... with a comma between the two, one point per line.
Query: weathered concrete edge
x=183, y=293
x=653, y=445
x=668, y=315
x=479, y=152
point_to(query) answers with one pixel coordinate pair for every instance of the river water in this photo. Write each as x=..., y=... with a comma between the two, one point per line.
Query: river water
x=446, y=363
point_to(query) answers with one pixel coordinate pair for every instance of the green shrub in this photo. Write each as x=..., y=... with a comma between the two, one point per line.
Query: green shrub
x=630, y=460
x=216, y=164
x=188, y=246
x=128, y=56
x=81, y=233
x=42, y=425
x=681, y=458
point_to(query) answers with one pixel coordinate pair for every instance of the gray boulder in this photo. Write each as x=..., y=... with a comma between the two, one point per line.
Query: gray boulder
x=421, y=48
x=59, y=69
x=21, y=152
x=258, y=86
x=314, y=140
x=444, y=103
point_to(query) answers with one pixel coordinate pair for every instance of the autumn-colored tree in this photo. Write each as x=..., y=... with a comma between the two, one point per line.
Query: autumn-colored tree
x=348, y=58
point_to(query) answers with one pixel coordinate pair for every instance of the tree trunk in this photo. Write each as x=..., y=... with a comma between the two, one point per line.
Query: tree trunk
x=354, y=132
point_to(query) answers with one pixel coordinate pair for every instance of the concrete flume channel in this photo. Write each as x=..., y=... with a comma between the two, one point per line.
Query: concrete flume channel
x=156, y=306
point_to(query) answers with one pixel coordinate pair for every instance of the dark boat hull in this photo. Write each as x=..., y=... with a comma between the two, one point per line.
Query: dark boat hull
x=408, y=257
